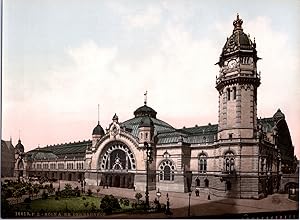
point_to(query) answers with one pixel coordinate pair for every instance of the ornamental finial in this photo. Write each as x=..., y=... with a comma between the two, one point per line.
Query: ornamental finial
x=238, y=23
x=145, y=98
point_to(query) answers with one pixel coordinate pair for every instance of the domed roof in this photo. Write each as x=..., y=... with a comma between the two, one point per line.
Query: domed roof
x=146, y=122
x=145, y=111
x=238, y=40
x=98, y=130
x=19, y=147
x=133, y=125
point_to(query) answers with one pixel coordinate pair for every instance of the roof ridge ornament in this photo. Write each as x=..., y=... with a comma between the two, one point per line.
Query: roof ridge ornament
x=237, y=23
x=145, y=98
x=98, y=115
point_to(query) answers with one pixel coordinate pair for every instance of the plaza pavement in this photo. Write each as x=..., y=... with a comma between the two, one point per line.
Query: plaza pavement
x=200, y=206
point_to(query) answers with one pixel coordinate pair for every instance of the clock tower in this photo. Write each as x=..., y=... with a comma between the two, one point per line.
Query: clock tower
x=237, y=85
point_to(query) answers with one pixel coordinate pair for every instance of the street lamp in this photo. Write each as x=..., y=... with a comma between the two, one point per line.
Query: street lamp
x=148, y=161
x=189, y=210
x=82, y=183
x=168, y=212
x=158, y=194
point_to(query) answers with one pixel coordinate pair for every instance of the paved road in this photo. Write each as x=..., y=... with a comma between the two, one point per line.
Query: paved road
x=201, y=205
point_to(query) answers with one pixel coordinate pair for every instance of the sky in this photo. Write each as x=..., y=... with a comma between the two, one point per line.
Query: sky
x=61, y=58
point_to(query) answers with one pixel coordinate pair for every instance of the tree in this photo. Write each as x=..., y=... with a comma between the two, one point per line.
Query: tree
x=109, y=203
x=51, y=190
x=98, y=190
x=138, y=196
x=36, y=189
x=67, y=191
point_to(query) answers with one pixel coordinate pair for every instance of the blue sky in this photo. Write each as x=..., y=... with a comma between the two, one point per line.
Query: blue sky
x=62, y=58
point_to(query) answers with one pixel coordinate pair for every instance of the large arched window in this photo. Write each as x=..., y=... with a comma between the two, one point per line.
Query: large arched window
x=229, y=162
x=117, y=157
x=166, y=170
x=202, y=163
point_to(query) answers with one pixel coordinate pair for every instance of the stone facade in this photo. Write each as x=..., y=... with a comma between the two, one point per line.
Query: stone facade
x=241, y=156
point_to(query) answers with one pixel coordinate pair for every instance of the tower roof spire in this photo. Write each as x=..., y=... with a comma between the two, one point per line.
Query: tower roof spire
x=237, y=23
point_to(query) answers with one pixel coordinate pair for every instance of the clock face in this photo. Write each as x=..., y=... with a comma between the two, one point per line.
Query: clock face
x=232, y=63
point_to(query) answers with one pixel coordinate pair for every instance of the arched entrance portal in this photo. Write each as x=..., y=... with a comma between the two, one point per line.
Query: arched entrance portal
x=117, y=165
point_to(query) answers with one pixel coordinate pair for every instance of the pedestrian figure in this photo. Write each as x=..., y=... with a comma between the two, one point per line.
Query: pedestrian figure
x=208, y=197
x=197, y=192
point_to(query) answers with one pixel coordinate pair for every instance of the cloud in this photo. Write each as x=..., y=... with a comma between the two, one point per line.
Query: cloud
x=178, y=72
x=145, y=19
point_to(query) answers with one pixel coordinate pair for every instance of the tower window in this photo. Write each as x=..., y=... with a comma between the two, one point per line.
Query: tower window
x=228, y=94
x=141, y=135
x=234, y=92
x=146, y=135
x=202, y=163
x=229, y=162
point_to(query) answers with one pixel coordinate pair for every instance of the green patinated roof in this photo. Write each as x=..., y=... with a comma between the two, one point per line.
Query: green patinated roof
x=192, y=135
x=61, y=151
x=133, y=125
x=76, y=149
x=40, y=154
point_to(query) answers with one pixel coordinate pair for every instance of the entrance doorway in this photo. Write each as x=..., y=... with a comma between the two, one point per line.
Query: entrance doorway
x=120, y=180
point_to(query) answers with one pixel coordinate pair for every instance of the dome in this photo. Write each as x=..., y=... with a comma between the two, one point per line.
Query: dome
x=238, y=40
x=98, y=130
x=19, y=147
x=145, y=111
x=133, y=125
x=146, y=122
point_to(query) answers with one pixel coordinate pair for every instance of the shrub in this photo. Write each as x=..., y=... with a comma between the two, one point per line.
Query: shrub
x=86, y=204
x=138, y=196
x=83, y=198
x=89, y=192
x=44, y=195
x=7, y=210
x=109, y=203
x=56, y=198
x=133, y=205
x=58, y=193
x=68, y=186
x=67, y=191
x=27, y=200
x=124, y=201
x=77, y=191
x=93, y=207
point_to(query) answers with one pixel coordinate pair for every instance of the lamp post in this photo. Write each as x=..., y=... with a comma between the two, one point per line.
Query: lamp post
x=189, y=210
x=149, y=160
x=158, y=194
x=168, y=212
x=82, y=183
